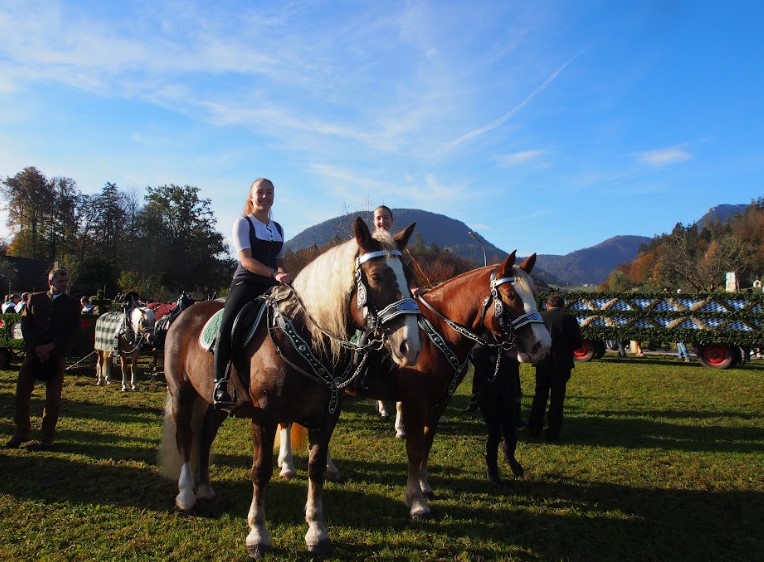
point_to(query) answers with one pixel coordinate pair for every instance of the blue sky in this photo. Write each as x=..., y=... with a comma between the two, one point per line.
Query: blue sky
x=547, y=126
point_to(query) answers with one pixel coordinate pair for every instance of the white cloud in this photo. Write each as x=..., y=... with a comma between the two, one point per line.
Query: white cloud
x=518, y=158
x=664, y=156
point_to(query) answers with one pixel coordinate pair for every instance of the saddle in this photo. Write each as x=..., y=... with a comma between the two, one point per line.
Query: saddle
x=245, y=326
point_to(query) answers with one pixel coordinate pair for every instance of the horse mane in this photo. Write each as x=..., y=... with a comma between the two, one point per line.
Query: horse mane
x=324, y=286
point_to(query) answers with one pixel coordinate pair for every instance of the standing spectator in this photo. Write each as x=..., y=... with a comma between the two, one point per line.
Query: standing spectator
x=49, y=324
x=87, y=307
x=499, y=401
x=553, y=372
x=22, y=304
x=10, y=304
x=681, y=351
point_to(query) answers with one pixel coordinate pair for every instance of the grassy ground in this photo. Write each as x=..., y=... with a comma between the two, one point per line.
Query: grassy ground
x=661, y=460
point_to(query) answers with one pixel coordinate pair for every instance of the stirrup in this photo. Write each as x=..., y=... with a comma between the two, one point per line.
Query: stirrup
x=224, y=393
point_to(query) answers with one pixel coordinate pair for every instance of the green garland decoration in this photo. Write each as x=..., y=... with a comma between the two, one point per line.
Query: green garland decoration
x=697, y=318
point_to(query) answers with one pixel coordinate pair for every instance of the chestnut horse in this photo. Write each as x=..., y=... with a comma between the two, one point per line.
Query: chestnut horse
x=294, y=369
x=494, y=305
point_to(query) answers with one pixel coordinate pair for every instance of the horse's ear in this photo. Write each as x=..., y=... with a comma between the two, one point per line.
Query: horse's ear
x=505, y=269
x=402, y=238
x=528, y=263
x=362, y=234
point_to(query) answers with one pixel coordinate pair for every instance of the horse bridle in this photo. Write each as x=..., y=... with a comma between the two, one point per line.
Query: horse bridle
x=375, y=320
x=375, y=324
x=141, y=332
x=508, y=327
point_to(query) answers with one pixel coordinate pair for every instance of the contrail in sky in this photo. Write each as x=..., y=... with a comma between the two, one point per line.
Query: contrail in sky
x=501, y=120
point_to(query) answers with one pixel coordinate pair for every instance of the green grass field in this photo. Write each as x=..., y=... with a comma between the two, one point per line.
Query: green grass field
x=661, y=460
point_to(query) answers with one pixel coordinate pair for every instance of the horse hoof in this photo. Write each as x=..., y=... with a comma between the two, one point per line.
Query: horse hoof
x=287, y=475
x=429, y=495
x=321, y=548
x=421, y=516
x=400, y=435
x=258, y=551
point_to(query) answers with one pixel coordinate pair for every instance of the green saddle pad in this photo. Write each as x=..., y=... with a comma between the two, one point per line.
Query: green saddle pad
x=210, y=331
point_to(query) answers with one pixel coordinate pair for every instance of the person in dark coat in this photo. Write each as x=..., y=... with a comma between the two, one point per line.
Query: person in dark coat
x=553, y=372
x=498, y=394
x=49, y=324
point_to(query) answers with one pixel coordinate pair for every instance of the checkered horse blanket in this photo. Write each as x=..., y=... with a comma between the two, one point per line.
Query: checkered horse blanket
x=109, y=327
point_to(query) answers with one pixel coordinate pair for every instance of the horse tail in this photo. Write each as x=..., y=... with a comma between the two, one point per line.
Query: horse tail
x=168, y=457
x=298, y=435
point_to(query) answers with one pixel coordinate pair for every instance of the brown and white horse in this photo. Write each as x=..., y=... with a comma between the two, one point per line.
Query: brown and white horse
x=292, y=370
x=131, y=329
x=495, y=305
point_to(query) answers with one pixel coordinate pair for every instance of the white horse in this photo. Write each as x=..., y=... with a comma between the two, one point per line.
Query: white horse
x=130, y=329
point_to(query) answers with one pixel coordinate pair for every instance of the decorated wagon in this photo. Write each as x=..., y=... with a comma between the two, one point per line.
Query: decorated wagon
x=722, y=327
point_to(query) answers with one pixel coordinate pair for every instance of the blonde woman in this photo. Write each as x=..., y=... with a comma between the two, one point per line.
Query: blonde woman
x=259, y=244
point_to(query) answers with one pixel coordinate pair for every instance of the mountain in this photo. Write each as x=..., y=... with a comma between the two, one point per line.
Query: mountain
x=720, y=213
x=591, y=265
x=586, y=266
x=431, y=228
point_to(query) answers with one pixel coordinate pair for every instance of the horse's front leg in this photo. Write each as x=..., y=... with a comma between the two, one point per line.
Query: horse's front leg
x=429, y=437
x=123, y=366
x=414, y=419
x=317, y=537
x=259, y=541
x=134, y=370
x=286, y=459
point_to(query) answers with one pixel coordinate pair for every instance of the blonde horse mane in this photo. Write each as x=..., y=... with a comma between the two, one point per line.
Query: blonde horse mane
x=324, y=287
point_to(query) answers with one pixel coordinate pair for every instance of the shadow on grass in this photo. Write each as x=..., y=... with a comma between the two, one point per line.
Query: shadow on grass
x=578, y=521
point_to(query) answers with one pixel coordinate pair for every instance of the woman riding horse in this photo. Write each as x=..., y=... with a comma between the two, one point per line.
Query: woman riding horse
x=259, y=243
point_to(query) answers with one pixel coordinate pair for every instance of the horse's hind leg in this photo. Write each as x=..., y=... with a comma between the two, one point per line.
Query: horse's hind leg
x=259, y=541
x=286, y=459
x=400, y=429
x=183, y=412
x=100, y=376
x=213, y=419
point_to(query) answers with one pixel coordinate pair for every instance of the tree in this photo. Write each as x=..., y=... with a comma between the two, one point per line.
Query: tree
x=178, y=239
x=30, y=204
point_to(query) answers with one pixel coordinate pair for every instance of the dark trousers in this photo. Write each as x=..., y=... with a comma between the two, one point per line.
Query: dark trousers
x=550, y=386
x=497, y=404
x=238, y=296
x=24, y=387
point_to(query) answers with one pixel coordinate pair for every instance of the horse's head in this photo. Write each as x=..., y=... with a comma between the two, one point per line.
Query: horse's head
x=143, y=322
x=514, y=316
x=383, y=303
